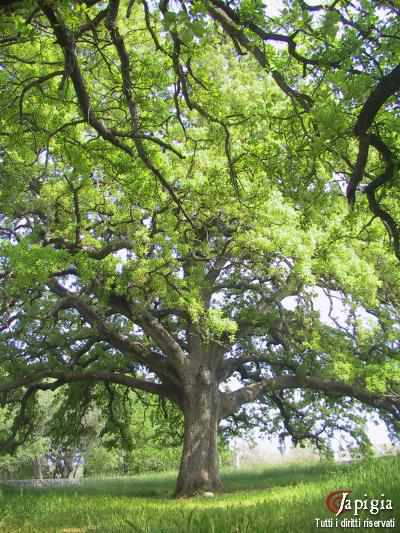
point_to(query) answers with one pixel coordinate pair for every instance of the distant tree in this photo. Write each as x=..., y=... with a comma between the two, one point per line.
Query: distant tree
x=171, y=178
x=27, y=462
x=103, y=430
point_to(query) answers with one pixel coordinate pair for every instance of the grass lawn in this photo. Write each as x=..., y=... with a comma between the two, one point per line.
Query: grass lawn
x=278, y=499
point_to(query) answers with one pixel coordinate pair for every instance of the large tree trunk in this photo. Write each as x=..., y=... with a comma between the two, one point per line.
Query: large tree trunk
x=199, y=469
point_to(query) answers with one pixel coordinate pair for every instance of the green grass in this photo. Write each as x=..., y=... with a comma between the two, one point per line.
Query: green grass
x=279, y=499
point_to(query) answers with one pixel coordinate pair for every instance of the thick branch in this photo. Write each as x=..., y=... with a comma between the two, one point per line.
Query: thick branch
x=175, y=356
x=64, y=377
x=386, y=88
x=229, y=25
x=233, y=400
x=67, y=43
x=135, y=351
x=113, y=246
x=66, y=40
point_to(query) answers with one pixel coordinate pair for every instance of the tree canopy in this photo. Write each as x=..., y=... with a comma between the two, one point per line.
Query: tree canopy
x=171, y=176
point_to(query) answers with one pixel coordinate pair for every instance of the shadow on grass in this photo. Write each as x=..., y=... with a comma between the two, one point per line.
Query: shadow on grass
x=279, y=499
x=157, y=486
x=278, y=476
x=161, y=486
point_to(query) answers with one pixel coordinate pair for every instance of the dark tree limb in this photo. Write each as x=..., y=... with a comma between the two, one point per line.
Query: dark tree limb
x=67, y=42
x=233, y=400
x=35, y=381
x=386, y=88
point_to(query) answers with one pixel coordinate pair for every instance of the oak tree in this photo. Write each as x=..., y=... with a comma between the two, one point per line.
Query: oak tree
x=172, y=176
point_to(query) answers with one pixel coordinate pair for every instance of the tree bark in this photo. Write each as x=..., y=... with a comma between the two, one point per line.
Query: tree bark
x=199, y=468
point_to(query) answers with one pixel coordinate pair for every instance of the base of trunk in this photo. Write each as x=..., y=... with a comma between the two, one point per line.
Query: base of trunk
x=199, y=469
x=197, y=486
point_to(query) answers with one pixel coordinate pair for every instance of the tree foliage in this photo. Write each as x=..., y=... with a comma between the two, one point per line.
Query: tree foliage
x=172, y=176
x=99, y=430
